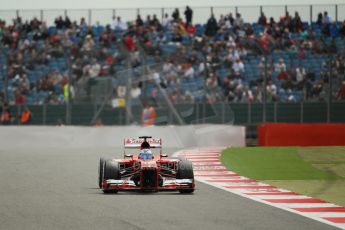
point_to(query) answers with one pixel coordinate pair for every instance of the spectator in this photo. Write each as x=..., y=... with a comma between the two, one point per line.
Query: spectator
x=319, y=19
x=130, y=43
x=224, y=23
x=271, y=91
x=89, y=44
x=280, y=66
x=114, y=23
x=211, y=26
x=60, y=123
x=68, y=22
x=249, y=95
x=201, y=68
x=95, y=69
x=341, y=92
x=5, y=115
x=211, y=88
x=118, y=24
x=300, y=74
x=326, y=19
x=176, y=15
x=155, y=20
x=297, y=24
x=262, y=19
x=238, y=66
x=238, y=20
x=189, y=71
x=272, y=22
x=149, y=21
x=83, y=23
x=231, y=19
x=148, y=115
x=317, y=90
x=20, y=98
x=26, y=116
x=139, y=21
x=59, y=23
x=121, y=91
x=342, y=29
x=135, y=91
x=68, y=92
x=166, y=21
x=99, y=123
x=189, y=15
x=188, y=98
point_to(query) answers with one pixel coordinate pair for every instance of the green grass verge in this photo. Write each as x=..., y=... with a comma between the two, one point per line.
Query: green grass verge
x=317, y=171
x=278, y=163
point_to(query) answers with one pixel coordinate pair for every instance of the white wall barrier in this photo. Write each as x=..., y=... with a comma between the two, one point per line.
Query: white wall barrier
x=112, y=136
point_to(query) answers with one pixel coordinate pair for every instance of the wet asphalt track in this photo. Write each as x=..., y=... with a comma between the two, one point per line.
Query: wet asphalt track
x=57, y=189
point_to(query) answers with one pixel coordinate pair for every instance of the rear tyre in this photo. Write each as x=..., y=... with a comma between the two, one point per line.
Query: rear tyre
x=111, y=171
x=100, y=171
x=185, y=171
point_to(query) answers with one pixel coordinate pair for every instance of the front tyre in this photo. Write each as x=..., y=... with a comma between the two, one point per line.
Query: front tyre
x=111, y=171
x=185, y=171
x=100, y=171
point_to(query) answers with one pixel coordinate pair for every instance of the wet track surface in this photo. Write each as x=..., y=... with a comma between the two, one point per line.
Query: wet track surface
x=56, y=188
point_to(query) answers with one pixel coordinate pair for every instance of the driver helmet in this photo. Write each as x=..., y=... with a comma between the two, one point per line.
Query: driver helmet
x=146, y=154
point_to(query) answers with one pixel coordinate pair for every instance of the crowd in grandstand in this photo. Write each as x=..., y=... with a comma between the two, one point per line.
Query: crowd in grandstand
x=223, y=60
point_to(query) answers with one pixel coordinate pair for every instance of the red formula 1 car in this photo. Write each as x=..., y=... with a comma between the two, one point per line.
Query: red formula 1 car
x=145, y=172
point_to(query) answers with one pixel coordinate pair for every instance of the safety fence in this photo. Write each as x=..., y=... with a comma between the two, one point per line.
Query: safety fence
x=198, y=113
x=249, y=14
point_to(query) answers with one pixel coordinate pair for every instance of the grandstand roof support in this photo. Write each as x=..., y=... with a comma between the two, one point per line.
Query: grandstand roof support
x=311, y=14
x=330, y=86
x=302, y=112
x=336, y=13
x=249, y=114
x=89, y=17
x=275, y=112
x=264, y=95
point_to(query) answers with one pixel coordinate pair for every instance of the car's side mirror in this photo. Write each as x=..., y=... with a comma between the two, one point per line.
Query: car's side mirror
x=129, y=155
x=164, y=155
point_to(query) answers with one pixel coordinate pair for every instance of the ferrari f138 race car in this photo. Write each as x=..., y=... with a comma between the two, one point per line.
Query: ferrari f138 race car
x=146, y=171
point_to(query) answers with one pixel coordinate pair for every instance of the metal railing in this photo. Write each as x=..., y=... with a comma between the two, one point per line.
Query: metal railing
x=198, y=113
x=250, y=14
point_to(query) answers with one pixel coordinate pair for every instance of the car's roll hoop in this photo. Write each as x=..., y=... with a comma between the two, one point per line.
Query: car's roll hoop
x=143, y=142
x=132, y=143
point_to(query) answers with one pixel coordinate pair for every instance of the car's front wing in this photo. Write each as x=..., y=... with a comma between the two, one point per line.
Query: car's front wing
x=168, y=184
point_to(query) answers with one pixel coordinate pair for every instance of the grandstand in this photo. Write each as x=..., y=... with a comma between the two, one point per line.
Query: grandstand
x=162, y=60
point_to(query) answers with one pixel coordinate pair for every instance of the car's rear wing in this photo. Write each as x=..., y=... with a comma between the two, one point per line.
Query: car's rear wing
x=132, y=143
